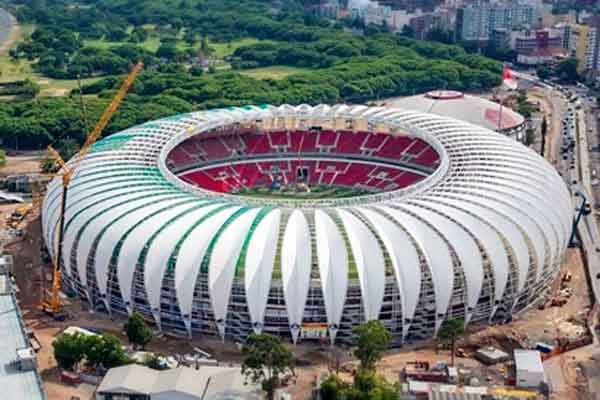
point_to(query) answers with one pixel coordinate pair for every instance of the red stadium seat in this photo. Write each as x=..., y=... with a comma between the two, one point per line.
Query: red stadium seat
x=427, y=158
x=350, y=143
x=395, y=147
x=257, y=143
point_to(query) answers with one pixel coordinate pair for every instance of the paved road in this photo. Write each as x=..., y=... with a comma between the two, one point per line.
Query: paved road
x=588, y=229
x=580, y=177
x=6, y=24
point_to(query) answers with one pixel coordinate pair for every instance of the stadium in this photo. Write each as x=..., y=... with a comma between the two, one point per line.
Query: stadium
x=306, y=221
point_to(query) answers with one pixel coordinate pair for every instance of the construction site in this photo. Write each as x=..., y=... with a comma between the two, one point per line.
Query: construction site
x=561, y=328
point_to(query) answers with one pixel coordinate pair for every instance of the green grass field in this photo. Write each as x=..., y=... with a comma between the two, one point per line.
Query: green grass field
x=274, y=72
x=222, y=50
x=11, y=70
x=150, y=44
x=20, y=70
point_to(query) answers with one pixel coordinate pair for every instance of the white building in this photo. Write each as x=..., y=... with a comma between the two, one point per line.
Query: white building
x=529, y=368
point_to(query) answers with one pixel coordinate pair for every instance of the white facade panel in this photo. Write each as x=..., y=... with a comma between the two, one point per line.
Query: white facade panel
x=333, y=268
x=191, y=253
x=296, y=255
x=405, y=260
x=369, y=263
x=258, y=270
x=223, y=262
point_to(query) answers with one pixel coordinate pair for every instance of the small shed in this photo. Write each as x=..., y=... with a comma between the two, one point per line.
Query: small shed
x=529, y=368
x=491, y=355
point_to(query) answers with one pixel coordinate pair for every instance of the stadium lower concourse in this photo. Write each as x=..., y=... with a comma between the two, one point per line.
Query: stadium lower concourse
x=304, y=222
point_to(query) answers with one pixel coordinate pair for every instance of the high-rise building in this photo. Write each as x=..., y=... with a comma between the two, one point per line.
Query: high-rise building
x=500, y=38
x=477, y=21
x=592, y=52
x=578, y=45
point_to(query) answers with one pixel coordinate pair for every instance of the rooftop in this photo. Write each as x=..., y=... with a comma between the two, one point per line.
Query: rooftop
x=472, y=109
x=528, y=360
x=207, y=382
x=22, y=385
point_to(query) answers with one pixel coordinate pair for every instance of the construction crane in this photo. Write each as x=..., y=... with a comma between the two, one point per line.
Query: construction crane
x=52, y=305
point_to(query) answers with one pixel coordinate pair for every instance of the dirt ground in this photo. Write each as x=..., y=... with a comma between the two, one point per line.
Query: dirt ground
x=12, y=38
x=24, y=163
x=534, y=325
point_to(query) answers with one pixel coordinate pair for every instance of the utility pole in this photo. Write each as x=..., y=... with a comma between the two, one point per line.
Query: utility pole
x=82, y=105
x=544, y=132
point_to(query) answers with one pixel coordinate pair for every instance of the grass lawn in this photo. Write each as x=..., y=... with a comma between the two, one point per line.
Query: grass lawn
x=23, y=32
x=223, y=50
x=150, y=44
x=273, y=72
x=9, y=70
x=21, y=69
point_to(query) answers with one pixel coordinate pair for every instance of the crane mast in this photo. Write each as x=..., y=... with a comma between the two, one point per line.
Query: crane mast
x=67, y=170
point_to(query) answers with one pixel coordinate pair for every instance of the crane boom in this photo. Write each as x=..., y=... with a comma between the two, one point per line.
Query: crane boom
x=68, y=170
x=94, y=135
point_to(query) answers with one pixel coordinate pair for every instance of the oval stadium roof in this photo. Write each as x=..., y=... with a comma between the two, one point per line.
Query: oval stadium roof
x=487, y=229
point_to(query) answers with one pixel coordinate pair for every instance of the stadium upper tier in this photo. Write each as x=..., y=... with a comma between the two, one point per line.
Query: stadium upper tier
x=453, y=221
x=237, y=159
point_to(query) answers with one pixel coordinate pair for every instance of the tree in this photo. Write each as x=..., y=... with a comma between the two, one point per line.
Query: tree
x=544, y=130
x=189, y=36
x=69, y=350
x=138, y=333
x=167, y=51
x=48, y=165
x=30, y=89
x=367, y=385
x=442, y=35
x=104, y=351
x=567, y=70
x=265, y=360
x=373, y=340
x=543, y=71
x=67, y=148
x=2, y=158
x=450, y=330
x=333, y=388
x=196, y=70
x=408, y=31
x=139, y=34
x=204, y=46
x=529, y=137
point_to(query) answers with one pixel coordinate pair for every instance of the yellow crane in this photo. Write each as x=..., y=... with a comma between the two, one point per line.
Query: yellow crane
x=67, y=171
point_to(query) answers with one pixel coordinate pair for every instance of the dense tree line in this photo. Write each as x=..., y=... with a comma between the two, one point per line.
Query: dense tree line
x=342, y=67
x=36, y=123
